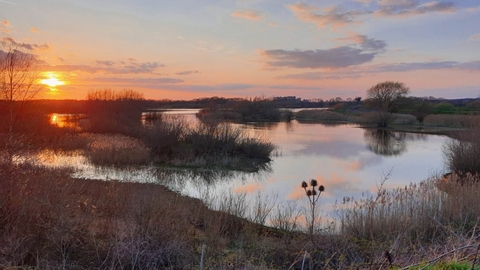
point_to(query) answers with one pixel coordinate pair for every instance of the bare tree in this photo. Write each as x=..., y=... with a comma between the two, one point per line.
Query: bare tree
x=17, y=86
x=386, y=98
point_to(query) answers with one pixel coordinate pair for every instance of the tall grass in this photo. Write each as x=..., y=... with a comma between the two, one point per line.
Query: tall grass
x=417, y=219
x=117, y=150
x=462, y=152
x=49, y=220
x=452, y=120
x=321, y=115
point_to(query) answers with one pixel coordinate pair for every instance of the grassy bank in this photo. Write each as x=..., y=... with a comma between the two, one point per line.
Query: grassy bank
x=432, y=124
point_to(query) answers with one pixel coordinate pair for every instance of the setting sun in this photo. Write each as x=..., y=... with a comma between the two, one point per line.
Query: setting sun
x=52, y=80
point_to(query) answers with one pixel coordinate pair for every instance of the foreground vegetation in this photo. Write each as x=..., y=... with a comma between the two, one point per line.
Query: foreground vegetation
x=52, y=221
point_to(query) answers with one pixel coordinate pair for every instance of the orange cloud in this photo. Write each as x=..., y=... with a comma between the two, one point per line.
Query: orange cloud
x=5, y=29
x=296, y=194
x=248, y=188
x=34, y=30
x=248, y=14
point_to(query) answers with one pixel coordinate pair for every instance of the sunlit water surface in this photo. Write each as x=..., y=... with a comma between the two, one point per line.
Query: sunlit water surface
x=349, y=161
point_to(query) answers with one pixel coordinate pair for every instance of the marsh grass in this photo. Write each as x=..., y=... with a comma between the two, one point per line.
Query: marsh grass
x=50, y=221
x=419, y=220
x=117, y=150
x=321, y=115
x=452, y=120
x=462, y=151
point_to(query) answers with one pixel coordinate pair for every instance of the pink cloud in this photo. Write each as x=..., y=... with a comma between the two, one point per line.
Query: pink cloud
x=248, y=14
x=475, y=37
x=5, y=23
x=328, y=16
x=34, y=30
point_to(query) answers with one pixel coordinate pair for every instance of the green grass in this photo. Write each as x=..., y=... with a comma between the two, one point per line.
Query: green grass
x=446, y=266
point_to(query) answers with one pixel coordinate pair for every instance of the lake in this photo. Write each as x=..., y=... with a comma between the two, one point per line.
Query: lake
x=349, y=161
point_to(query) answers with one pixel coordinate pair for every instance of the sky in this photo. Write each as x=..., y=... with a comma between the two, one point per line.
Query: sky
x=248, y=48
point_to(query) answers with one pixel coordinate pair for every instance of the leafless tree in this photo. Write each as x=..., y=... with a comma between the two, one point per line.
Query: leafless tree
x=18, y=76
x=386, y=98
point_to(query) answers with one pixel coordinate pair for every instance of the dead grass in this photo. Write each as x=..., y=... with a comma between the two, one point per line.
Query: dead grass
x=452, y=120
x=117, y=150
x=50, y=221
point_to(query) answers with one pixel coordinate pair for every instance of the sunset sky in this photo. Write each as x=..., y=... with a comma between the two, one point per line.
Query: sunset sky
x=245, y=48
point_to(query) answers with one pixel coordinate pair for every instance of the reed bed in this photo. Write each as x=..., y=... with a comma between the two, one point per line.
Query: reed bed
x=117, y=150
x=50, y=221
x=416, y=222
x=452, y=120
x=391, y=118
x=321, y=115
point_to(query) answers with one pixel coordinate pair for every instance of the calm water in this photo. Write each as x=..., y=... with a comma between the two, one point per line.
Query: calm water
x=346, y=159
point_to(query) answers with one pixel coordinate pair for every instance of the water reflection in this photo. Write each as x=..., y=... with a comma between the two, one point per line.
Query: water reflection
x=346, y=159
x=324, y=123
x=389, y=143
x=180, y=180
x=73, y=121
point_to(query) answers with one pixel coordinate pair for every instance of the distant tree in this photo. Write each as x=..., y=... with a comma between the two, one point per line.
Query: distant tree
x=386, y=98
x=17, y=87
x=474, y=105
x=358, y=99
x=112, y=111
x=444, y=108
x=420, y=107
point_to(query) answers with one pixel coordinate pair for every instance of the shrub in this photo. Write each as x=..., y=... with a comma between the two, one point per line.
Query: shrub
x=164, y=135
x=320, y=115
x=256, y=149
x=462, y=152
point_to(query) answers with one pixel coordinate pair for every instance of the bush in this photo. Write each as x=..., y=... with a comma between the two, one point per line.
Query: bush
x=462, y=152
x=320, y=115
x=256, y=149
x=164, y=135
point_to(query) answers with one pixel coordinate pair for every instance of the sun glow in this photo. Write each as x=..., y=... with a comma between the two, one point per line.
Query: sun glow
x=51, y=80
